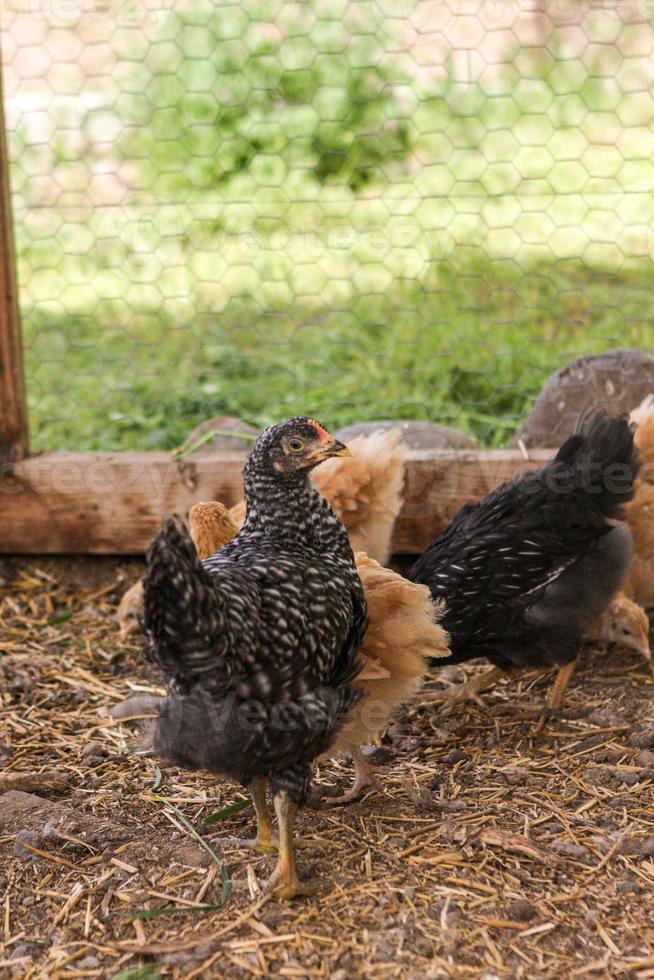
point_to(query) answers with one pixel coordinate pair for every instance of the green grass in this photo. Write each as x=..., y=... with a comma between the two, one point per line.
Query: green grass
x=469, y=345
x=312, y=226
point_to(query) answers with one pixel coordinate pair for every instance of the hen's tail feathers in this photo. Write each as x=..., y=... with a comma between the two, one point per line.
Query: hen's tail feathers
x=604, y=461
x=182, y=605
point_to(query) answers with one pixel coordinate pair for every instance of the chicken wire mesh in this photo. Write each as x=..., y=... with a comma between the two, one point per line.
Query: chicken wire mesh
x=356, y=209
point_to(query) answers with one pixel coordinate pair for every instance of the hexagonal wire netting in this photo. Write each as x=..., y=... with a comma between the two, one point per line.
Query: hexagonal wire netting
x=355, y=209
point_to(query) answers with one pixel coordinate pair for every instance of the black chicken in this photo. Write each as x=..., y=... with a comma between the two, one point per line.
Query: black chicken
x=528, y=569
x=258, y=643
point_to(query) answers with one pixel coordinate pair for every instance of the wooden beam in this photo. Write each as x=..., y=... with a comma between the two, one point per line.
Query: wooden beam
x=13, y=405
x=112, y=503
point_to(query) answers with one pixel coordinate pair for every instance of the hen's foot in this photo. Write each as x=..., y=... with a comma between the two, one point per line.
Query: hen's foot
x=470, y=691
x=364, y=779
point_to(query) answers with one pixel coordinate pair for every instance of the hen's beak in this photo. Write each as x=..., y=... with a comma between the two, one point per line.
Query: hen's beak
x=338, y=449
x=326, y=452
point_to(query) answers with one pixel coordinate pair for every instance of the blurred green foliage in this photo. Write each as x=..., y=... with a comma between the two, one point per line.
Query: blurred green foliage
x=314, y=226
x=262, y=90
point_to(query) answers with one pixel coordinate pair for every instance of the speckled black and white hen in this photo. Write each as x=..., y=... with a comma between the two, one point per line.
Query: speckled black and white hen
x=526, y=571
x=258, y=643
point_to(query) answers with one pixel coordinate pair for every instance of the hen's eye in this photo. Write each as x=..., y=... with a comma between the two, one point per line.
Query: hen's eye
x=624, y=631
x=296, y=445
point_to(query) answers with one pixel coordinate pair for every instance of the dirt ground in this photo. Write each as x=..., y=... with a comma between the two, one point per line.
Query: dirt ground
x=491, y=852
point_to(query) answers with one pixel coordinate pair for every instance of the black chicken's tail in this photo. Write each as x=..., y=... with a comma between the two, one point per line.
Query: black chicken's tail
x=603, y=462
x=183, y=610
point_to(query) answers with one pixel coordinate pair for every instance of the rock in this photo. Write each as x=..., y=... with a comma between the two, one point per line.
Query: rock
x=93, y=750
x=88, y=963
x=29, y=837
x=25, y=811
x=415, y=435
x=605, y=718
x=522, y=911
x=377, y=756
x=642, y=738
x=222, y=442
x=41, y=783
x=6, y=752
x=26, y=949
x=570, y=850
x=617, y=380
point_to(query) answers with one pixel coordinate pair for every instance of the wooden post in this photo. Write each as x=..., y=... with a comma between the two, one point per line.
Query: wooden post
x=13, y=406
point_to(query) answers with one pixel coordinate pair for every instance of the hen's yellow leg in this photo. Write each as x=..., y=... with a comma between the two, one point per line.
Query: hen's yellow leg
x=284, y=882
x=557, y=694
x=265, y=841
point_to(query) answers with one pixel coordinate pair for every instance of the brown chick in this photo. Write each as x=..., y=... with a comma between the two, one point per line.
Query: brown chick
x=130, y=609
x=639, y=512
x=365, y=490
x=625, y=623
x=403, y=632
x=211, y=527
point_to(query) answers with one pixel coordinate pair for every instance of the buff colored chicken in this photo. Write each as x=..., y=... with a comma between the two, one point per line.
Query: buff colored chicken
x=624, y=623
x=211, y=527
x=403, y=632
x=365, y=490
x=130, y=609
x=639, y=512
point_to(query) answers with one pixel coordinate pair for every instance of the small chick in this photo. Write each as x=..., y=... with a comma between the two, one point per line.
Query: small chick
x=639, y=512
x=624, y=623
x=130, y=609
x=365, y=490
x=403, y=632
x=211, y=527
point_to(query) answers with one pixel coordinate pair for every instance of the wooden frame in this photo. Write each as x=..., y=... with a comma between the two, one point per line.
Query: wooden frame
x=112, y=503
x=13, y=404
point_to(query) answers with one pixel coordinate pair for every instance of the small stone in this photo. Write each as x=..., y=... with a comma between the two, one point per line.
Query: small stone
x=570, y=850
x=377, y=756
x=88, y=963
x=604, y=718
x=522, y=911
x=456, y=755
x=647, y=847
x=645, y=759
x=25, y=949
x=93, y=750
x=26, y=837
x=395, y=731
x=642, y=738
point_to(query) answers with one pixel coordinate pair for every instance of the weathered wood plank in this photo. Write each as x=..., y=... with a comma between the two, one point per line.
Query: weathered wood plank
x=13, y=405
x=112, y=503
